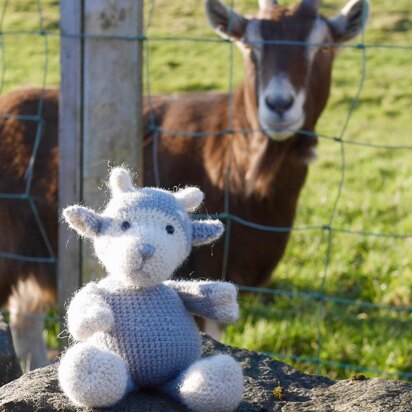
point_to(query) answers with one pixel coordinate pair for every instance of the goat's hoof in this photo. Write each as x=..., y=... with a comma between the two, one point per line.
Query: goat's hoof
x=213, y=384
x=92, y=377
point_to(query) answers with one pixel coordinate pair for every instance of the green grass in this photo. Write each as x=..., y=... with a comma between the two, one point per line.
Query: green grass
x=376, y=196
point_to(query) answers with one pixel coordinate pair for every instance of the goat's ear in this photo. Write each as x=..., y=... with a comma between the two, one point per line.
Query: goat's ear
x=351, y=21
x=84, y=221
x=206, y=231
x=189, y=198
x=227, y=22
x=120, y=181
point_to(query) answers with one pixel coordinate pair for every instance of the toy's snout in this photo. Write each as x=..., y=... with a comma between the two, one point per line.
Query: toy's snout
x=146, y=251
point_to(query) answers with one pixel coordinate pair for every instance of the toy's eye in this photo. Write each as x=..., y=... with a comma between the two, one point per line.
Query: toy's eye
x=125, y=225
x=170, y=229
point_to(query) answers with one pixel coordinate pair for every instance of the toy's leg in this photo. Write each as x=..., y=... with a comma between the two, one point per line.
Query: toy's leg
x=210, y=384
x=92, y=377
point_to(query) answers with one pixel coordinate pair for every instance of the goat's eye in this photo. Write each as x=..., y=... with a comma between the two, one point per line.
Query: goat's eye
x=170, y=229
x=325, y=49
x=125, y=225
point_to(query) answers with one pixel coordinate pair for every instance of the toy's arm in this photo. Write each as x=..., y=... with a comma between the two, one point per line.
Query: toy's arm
x=212, y=300
x=88, y=313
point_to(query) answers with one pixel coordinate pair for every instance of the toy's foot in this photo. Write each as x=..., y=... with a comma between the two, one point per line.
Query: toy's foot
x=210, y=384
x=92, y=377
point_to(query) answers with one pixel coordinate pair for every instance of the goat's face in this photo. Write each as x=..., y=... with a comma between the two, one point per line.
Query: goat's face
x=288, y=58
x=143, y=235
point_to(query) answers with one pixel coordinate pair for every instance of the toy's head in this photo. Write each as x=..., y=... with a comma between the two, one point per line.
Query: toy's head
x=143, y=235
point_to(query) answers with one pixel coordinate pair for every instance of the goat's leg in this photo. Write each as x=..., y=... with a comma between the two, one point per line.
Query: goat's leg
x=28, y=339
x=210, y=384
x=28, y=306
x=93, y=377
x=213, y=328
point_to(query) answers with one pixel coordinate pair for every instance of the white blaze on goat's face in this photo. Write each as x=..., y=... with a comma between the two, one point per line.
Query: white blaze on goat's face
x=317, y=39
x=284, y=48
x=280, y=109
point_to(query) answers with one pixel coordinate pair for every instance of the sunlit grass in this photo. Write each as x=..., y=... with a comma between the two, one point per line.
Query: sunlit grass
x=295, y=326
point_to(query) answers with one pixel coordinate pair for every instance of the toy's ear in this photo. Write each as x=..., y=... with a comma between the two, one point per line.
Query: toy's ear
x=84, y=221
x=190, y=198
x=120, y=181
x=206, y=231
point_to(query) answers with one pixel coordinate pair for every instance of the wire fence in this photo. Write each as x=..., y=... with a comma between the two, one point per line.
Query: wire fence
x=38, y=120
x=329, y=228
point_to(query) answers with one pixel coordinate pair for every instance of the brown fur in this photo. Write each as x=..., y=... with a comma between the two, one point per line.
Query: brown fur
x=19, y=231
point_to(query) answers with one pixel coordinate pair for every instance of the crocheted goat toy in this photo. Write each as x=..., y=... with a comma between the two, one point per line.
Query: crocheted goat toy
x=134, y=328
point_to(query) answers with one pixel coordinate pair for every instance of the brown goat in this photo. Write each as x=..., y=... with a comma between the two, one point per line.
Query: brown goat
x=262, y=161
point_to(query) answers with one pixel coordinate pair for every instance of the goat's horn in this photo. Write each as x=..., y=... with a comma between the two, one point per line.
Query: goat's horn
x=264, y=4
x=313, y=3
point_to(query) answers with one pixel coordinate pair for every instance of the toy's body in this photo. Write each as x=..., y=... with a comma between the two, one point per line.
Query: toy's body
x=159, y=341
x=135, y=327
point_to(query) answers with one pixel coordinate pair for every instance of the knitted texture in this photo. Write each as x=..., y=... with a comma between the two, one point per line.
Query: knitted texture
x=135, y=327
x=92, y=377
x=153, y=332
x=212, y=300
x=207, y=382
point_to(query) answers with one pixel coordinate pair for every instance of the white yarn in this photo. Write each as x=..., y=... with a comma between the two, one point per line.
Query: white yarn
x=91, y=376
x=223, y=296
x=135, y=329
x=118, y=253
x=120, y=181
x=88, y=313
x=213, y=384
x=225, y=303
x=190, y=198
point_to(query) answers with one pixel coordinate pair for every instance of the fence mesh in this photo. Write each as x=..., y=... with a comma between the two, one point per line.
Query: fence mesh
x=301, y=317
x=319, y=303
x=9, y=50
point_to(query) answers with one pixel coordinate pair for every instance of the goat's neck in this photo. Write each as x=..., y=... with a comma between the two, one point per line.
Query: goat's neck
x=248, y=160
x=255, y=160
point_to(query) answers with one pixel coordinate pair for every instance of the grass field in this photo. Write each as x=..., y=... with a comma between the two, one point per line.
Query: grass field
x=376, y=195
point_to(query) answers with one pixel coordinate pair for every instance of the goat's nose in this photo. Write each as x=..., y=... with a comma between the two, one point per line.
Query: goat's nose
x=279, y=105
x=146, y=250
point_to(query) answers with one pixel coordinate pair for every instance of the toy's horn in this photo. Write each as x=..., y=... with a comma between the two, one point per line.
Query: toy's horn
x=190, y=198
x=120, y=181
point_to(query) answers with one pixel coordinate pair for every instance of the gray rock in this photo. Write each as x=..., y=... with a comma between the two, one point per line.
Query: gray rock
x=9, y=365
x=39, y=390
